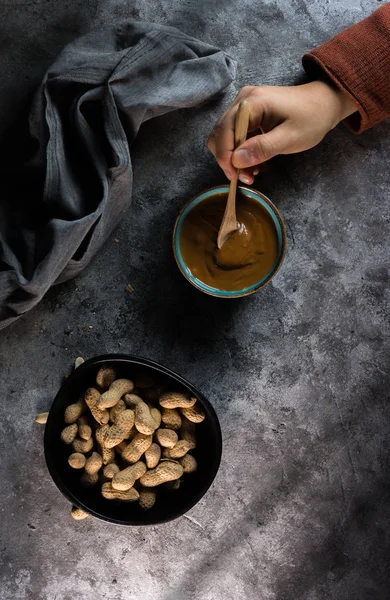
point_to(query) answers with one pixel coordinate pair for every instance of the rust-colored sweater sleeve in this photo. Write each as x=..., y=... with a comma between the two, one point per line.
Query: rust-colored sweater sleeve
x=358, y=62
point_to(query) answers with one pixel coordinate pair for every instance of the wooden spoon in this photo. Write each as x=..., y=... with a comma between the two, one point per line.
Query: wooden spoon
x=229, y=221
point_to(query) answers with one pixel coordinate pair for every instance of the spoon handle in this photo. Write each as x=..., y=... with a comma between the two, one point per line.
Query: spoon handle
x=229, y=221
x=241, y=124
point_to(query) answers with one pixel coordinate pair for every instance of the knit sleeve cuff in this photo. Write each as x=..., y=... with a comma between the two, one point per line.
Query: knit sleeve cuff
x=357, y=60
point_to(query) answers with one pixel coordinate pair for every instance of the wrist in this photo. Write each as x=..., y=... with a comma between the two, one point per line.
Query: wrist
x=338, y=102
x=347, y=106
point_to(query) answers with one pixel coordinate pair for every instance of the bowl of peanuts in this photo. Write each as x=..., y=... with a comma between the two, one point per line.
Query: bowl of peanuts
x=131, y=442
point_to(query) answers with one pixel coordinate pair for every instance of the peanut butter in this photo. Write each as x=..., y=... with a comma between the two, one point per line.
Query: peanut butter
x=246, y=257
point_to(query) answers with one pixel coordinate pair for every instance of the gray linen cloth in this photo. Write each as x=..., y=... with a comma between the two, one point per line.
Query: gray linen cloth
x=85, y=116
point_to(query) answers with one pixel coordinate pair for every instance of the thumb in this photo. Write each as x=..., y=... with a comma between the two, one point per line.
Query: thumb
x=260, y=148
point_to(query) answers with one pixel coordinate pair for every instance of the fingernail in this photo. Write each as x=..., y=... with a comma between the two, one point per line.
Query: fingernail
x=256, y=171
x=242, y=159
x=244, y=178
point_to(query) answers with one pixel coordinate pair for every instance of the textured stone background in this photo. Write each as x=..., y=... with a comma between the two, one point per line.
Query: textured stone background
x=299, y=373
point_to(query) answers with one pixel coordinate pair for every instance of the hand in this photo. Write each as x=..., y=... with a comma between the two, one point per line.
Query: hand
x=291, y=119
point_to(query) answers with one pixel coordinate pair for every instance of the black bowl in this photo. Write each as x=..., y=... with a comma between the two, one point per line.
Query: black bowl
x=170, y=504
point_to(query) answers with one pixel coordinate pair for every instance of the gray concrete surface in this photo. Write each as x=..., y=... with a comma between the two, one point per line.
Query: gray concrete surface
x=299, y=373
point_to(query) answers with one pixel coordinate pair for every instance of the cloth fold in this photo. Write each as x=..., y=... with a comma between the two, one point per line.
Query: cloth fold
x=85, y=115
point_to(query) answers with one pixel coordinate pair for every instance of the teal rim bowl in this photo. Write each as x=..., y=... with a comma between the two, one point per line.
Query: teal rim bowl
x=280, y=231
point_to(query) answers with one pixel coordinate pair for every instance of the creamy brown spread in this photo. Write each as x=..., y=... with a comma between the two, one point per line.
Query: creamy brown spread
x=245, y=258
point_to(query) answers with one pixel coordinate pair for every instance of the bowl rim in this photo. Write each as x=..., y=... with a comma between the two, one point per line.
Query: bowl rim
x=113, y=357
x=281, y=232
